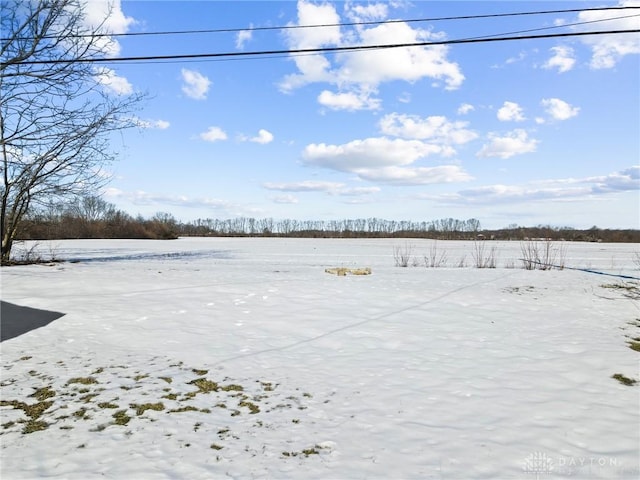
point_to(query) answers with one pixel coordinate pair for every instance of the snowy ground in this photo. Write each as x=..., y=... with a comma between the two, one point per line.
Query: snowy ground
x=241, y=358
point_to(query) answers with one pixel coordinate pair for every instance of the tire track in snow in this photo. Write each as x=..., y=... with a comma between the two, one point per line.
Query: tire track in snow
x=363, y=322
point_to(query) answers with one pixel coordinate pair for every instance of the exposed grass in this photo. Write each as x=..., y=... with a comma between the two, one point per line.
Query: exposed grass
x=34, y=426
x=634, y=345
x=121, y=417
x=43, y=393
x=624, y=380
x=253, y=408
x=141, y=408
x=188, y=408
x=627, y=289
x=268, y=386
x=306, y=452
x=232, y=388
x=33, y=411
x=81, y=414
x=204, y=385
x=82, y=380
x=75, y=397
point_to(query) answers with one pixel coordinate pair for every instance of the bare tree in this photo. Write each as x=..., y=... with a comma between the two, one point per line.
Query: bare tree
x=90, y=208
x=55, y=116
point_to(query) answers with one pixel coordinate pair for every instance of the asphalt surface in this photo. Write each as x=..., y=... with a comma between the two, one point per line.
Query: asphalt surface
x=16, y=320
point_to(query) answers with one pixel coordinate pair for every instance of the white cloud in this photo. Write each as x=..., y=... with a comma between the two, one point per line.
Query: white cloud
x=384, y=160
x=350, y=101
x=315, y=14
x=435, y=128
x=332, y=188
x=410, y=64
x=563, y=59
x=465, y=108
x=141, y=197
x=364, y=70
x=559, y=109
x=368, y=153
x=408, y=176
x=404, y=97
x=112, y=81
x=304, y=186
x=562, y=189
x=213, y=134
x=496, y=194
x=625, y=180
x=152, y=124
x=313, y=68
x=510, y=112
x=264, y=137
x=358, y=191
x=608, y=50
x=520, y=57
x=243, y=37
x=160, y=124
x=285, y=199
x=513, y=143
x=107, y=15
x=195, y=84
x=367, y=13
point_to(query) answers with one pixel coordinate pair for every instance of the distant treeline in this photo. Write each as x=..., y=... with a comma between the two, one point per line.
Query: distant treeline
x=92, y=217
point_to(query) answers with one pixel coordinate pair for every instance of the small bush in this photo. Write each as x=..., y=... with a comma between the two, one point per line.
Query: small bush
x=542, y=255
x=435, y=258
x=483, y=258
x=403, y=255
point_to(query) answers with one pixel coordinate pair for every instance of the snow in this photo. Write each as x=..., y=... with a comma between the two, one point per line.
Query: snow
x=425, y=373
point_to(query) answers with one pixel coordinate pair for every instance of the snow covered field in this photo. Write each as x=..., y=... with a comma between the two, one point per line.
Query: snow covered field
x=241, y=358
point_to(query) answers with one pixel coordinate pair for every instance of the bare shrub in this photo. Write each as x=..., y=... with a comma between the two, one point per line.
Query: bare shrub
x=561, y=257
x=542, y=255
x=25, y=254
x=636, y=259
x=462, y=262
x=402, y=255
x=530, y=255
x=28, y=254
x=483, y=257
x=435, y=258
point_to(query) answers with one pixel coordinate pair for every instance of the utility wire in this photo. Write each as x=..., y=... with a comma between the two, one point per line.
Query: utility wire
x=347, y=24
x=320, y=50
x=503, y=34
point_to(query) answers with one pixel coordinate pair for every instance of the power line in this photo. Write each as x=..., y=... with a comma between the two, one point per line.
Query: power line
x=503, y=34
x=320, y=50
x=346, y=24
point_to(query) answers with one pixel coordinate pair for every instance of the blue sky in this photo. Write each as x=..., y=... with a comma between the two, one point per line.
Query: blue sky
x=528, y=132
